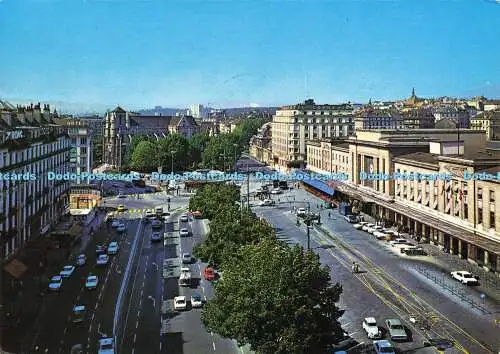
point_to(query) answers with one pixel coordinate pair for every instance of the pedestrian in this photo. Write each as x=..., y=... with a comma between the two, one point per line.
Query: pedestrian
x=329, y=215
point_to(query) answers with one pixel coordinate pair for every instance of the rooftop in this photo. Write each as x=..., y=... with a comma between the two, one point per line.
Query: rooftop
x=422, y=157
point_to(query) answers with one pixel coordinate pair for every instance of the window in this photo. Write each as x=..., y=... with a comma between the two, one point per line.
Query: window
x=83, y=141
x=492, y=219
x=479, y=215
x=492, y=196
x=479, y=193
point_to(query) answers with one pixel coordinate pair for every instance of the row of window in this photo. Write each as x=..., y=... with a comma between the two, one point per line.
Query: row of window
x=33, y=152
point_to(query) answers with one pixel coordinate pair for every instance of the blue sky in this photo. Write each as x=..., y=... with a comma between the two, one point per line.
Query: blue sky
x=173, y=53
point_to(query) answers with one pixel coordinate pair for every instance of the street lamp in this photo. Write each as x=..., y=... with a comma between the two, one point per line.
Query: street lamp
x=235, y=146
x=172, y=152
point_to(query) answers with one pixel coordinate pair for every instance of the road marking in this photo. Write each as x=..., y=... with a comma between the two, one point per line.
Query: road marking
x=135, y=337
x=133, y=350
x=213, y=344
x=140, y=303
x=203, y=288
x=205, y=298
x=136, y=324
x=90, y=328
x=142, y=292
x=78, y=298
x=139, y=313
x=212, y=333
x=65, y=330
x=93, y=315
x=160, y=346
x=95, y=307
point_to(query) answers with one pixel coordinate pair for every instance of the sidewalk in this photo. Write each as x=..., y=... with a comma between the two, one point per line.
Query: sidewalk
x=25, y=300
x=443, y=261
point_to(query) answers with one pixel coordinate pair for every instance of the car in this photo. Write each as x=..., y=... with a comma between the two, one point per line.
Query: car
x=186, y=258
x=91, y=282
x=209, y=274
x=359, y=225
x=101, y=249
x=150, y=214
x=166, y=213
x=155, y=224
x=184, y=218
x=159, y=211
x=276, y=191
x=381, y=235
x=371, y=328
x=116, y=223
x=113, y=248
x=156, y=237
x=102, y=259
x=383, y=347
x=366, y=226
x=121, y=227
x=121, y=196
x=55, y=283
x=351, y=218
x=301, y=212
x=106, y=346
x=120, y=208
x=399, y=241
x=180, y=303
x=196, y=300
x=78, y=315
x=396, y=329
x=77, y=349
x=81, y=260
x=184, y=232
x=375, y=228
x=465, y=277
x=67, y=271
x=266, y=202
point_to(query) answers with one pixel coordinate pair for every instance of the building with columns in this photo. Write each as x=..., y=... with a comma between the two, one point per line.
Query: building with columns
x=260, y=144
x=446, y=207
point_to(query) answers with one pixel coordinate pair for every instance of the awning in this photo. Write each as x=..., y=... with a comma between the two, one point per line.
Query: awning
x=15, y=268
x=316, y=183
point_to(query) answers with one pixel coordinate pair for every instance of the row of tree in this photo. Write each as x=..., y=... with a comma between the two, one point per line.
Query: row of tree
x=219, y=152
x=278, y=299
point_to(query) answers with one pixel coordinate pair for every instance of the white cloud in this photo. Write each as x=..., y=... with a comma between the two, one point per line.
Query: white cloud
x=254, y=105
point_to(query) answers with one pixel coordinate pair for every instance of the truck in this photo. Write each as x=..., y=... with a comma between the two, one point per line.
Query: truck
x=185, y=277
x=345, y=209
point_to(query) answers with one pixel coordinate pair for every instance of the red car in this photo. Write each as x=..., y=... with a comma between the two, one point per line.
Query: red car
x=209, y=274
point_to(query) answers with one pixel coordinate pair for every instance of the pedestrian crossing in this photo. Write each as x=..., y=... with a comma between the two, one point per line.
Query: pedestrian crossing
x=140, y=211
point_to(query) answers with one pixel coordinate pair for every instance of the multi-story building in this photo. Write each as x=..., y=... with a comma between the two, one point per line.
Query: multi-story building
x=31, y=146
x=374, y=118
x=260, y=144
x=81, y=144
x=293, y=125
x=446, y=207
x=120, y=126
x=452, y=114
x=488, y=121
x=491, y=105
x=95, y=125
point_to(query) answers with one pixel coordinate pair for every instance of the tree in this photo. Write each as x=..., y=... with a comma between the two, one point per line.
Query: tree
x=136, y=139
x=144, y=157
x=180, y=146
x=277, y=299
x=197, y=144
x=211, y=198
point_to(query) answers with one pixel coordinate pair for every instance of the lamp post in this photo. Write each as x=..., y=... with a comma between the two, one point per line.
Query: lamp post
x=172, y=152
x=235, y=146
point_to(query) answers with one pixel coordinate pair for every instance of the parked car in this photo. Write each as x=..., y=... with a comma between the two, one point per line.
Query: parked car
x=375, y=228
x=371, y=328
x=351, y=218
x=156, y=224
x=366, y=226
x=184, y=232
x=266, y=202
x=81, y=260
x=91, y=282
x=101, y=249
x=276, y=191
x=209, y=274
x=106, y=346
x=184, y=218
x=359, y=225
x=180, y=303
x=67, y=271
x=102, y=259
x=399, y=241
x=381, y=235
x=383, y=347
x=465, y=277
x=113, y=248
x=396, y=329
x=301, y=212
x=55, y=283
x=196, y=300
x=150, y=214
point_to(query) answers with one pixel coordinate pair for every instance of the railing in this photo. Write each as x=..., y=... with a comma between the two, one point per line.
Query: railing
x=456, y=288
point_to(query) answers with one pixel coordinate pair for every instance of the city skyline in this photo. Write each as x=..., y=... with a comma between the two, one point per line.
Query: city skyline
x=93, y=55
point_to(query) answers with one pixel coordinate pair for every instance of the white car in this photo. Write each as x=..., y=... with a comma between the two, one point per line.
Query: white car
x=102, y=259
x=81, y=260
x=184, y=218
x=106, y=346
x=55, y=283
x=359, y=225
x=121, y=227
x=180, y=303
x=276, y=191
x=465, y=277
x=365, y=227
x=371, y=328
x=196, y=301
x=301, y=212
x=380, y=235
x=67, y=271
x=375, y=228
x=115, y=223
x=150, y=214
x=266, y=202
x=186, y=258
x=113, y=248
x=184, y=232
x=398, y=241
x=91, y=282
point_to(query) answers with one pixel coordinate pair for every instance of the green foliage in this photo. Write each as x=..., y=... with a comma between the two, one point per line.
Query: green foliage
x=213, y=197
x=97, y=149
x=143, y=156
x=180, y=146
x=277, y=299
x=197, y=144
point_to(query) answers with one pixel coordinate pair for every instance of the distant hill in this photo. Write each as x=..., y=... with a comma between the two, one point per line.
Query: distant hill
x=229, y=111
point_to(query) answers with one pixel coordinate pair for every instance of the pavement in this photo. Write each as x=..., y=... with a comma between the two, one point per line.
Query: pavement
x=389, y=286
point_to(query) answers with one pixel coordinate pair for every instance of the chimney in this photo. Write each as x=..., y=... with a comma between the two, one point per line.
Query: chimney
x=37, y=114
x=21, y=115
